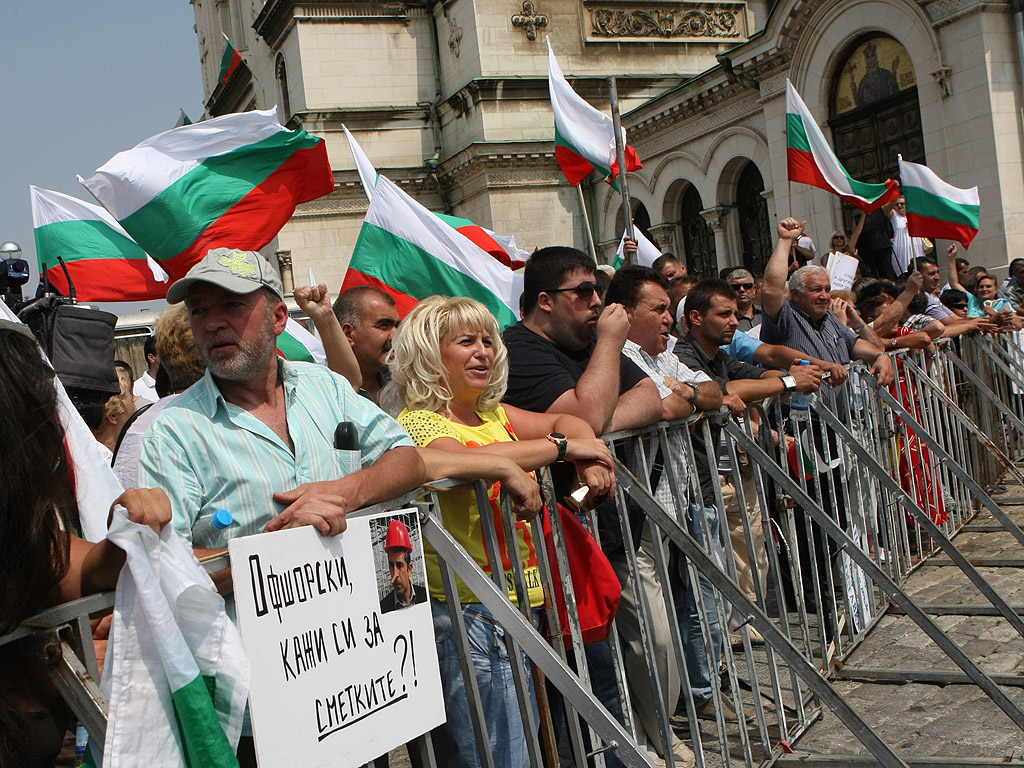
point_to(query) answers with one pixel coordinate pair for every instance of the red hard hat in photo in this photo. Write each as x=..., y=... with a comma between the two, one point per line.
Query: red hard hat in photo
x=398, y=536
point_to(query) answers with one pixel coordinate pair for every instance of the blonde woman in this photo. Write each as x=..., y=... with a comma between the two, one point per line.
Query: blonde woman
x=449, y=371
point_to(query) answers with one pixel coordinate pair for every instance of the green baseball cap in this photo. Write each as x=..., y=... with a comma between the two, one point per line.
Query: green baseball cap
x=233, y=270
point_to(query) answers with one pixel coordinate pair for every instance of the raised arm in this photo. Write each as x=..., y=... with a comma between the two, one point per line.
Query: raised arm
x=316, y=303
x=858, y=228
x=951, y=277
x=777, y=270
x=889, y=317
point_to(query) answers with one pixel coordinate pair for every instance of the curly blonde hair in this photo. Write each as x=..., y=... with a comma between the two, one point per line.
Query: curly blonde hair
x=177, y=348
x=419, y=380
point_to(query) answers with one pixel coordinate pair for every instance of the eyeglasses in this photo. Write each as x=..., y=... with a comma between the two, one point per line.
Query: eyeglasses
x=958, y=306
x=839, y=237
x=901, y=204
x=584, y=290
x=742, y=286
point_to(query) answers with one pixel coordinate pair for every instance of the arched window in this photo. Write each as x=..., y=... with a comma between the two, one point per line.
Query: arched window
x=755, y=228
x=874, y=112
x=281, y=73
x=698, y=237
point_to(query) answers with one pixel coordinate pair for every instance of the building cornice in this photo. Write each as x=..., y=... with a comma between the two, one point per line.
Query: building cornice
x=232, y=95
x=277, y=17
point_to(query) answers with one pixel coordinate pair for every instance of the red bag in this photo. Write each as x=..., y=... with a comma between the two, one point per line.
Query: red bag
x=594, y=581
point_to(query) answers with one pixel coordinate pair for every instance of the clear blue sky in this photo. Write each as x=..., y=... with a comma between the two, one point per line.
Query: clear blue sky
x=80, y=82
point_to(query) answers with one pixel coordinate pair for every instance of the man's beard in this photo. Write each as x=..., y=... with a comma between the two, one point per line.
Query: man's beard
x=251, y=358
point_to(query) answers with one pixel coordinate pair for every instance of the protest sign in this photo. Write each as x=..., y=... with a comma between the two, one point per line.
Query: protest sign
x=842, y=271
x=342, y=669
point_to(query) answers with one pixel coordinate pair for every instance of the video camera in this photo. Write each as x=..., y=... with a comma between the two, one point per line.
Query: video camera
x=13, y=275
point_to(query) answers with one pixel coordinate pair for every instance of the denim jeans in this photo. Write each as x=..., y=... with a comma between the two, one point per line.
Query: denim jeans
x=700, y=674
x=497, y=689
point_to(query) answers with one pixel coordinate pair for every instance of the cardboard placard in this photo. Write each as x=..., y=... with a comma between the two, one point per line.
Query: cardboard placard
x=842, y=271
x=336, y=680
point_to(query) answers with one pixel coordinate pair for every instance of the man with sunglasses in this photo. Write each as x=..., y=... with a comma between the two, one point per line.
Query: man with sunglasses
x=905, y=249
x=747, y=312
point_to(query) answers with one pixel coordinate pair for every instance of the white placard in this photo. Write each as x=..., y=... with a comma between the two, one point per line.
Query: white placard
x=842, y=271
x=336, y=681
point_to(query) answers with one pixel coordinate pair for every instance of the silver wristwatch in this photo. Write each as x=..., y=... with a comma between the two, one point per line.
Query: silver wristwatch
x=789, y=382
x=696, y=392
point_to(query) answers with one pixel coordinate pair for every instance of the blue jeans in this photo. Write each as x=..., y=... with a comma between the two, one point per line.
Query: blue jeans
x=497, y=689
x=698, y=670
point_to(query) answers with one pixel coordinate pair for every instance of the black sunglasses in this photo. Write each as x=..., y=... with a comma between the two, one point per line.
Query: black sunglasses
x=958, y=306
x=744, y=286
x=584, y=290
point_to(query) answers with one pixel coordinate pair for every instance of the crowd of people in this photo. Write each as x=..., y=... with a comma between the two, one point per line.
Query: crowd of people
x=220, y=421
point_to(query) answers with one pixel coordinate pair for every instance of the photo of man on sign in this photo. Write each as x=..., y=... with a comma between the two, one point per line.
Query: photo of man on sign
x=402, y=591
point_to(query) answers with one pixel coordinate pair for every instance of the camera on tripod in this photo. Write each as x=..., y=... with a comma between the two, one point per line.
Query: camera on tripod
x=13, y=274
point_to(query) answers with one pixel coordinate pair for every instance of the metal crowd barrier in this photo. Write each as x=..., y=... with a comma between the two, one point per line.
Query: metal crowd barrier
x=829, y=532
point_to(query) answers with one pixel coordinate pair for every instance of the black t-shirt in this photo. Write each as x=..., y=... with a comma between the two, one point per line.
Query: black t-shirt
x=539, y=372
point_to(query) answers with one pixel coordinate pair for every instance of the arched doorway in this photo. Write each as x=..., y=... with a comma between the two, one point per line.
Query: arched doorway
x=698, y=237
x=755, y=226
x=874, y=112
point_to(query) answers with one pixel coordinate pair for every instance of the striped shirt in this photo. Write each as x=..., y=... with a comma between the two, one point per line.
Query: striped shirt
x=209, y=454
x=828, y=339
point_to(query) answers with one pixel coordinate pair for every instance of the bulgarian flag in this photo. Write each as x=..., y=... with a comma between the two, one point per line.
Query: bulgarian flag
x=105, y=264
x=936, y=209
x=811, y=160
x=646, y=251
x=229, y=62
x=231, y=181
x=410, y=253
x=501, y=247
x=296, y=343
x=584, y=137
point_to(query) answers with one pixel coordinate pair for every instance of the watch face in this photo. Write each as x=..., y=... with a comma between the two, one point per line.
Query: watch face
x=558, y=436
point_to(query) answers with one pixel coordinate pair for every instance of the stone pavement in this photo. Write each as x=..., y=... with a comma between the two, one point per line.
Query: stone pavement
x=910, y=692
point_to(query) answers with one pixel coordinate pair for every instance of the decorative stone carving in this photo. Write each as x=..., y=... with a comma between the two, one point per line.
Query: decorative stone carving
x=668, y=23
x=943, y=76
x=715, y=217
x=284, y=265
x=664, y=237
x=455, y=39
x=529, y=20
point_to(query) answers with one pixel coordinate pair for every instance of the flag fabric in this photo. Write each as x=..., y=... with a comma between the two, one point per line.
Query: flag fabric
x=367, y=173
x=488, y=241
x=105, y=264
x=176, y=673
x=229, y=62
x=811, y=160
x=584, y=137
x=231, y=181
x=183, y=119
x=410, y=253
x=646, y=251
x=298, y=344
x=936, y=209
x=96, y=486
x=501, y=247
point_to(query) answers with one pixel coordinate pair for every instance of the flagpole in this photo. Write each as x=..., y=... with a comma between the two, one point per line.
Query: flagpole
x=620, y=152
x=586, y=221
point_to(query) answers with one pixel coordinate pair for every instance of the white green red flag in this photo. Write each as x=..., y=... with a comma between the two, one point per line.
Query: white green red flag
x=410, y=253
x=811, y=160
x=105, y=264
x=646, y=251
x=230, y=181
x=501, y=247
x=298, y=344
x=584, y=136
x=936, y=209
x=229, y=62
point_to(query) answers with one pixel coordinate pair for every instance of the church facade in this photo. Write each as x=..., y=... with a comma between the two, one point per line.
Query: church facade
x=450, y=101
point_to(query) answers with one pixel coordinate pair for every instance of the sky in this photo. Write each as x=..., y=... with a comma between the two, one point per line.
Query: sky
x=80, y=82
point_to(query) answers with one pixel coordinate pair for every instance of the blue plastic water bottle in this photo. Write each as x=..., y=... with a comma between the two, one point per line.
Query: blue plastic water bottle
x=81, y=744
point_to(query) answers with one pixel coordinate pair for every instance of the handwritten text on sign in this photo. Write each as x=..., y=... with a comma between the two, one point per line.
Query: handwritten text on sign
x=336, y=681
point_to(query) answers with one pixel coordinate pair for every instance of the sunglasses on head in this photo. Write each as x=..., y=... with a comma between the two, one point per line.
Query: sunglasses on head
x=744, y=286
x=584, y=290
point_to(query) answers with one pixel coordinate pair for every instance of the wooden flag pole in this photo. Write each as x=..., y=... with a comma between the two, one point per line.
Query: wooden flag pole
x=620, y=152
x=586, y=221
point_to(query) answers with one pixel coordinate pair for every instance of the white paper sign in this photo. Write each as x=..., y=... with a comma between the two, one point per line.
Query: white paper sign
x=339, y=674
x=842, y=271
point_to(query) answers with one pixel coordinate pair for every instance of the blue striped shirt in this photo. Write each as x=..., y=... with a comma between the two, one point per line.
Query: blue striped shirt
x=209, y=454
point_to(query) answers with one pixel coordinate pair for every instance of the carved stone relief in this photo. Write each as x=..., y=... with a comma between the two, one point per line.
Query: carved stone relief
x=613, y=22
x=529, y=20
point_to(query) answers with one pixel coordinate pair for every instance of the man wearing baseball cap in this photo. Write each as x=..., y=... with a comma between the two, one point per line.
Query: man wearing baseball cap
x=256, y=435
